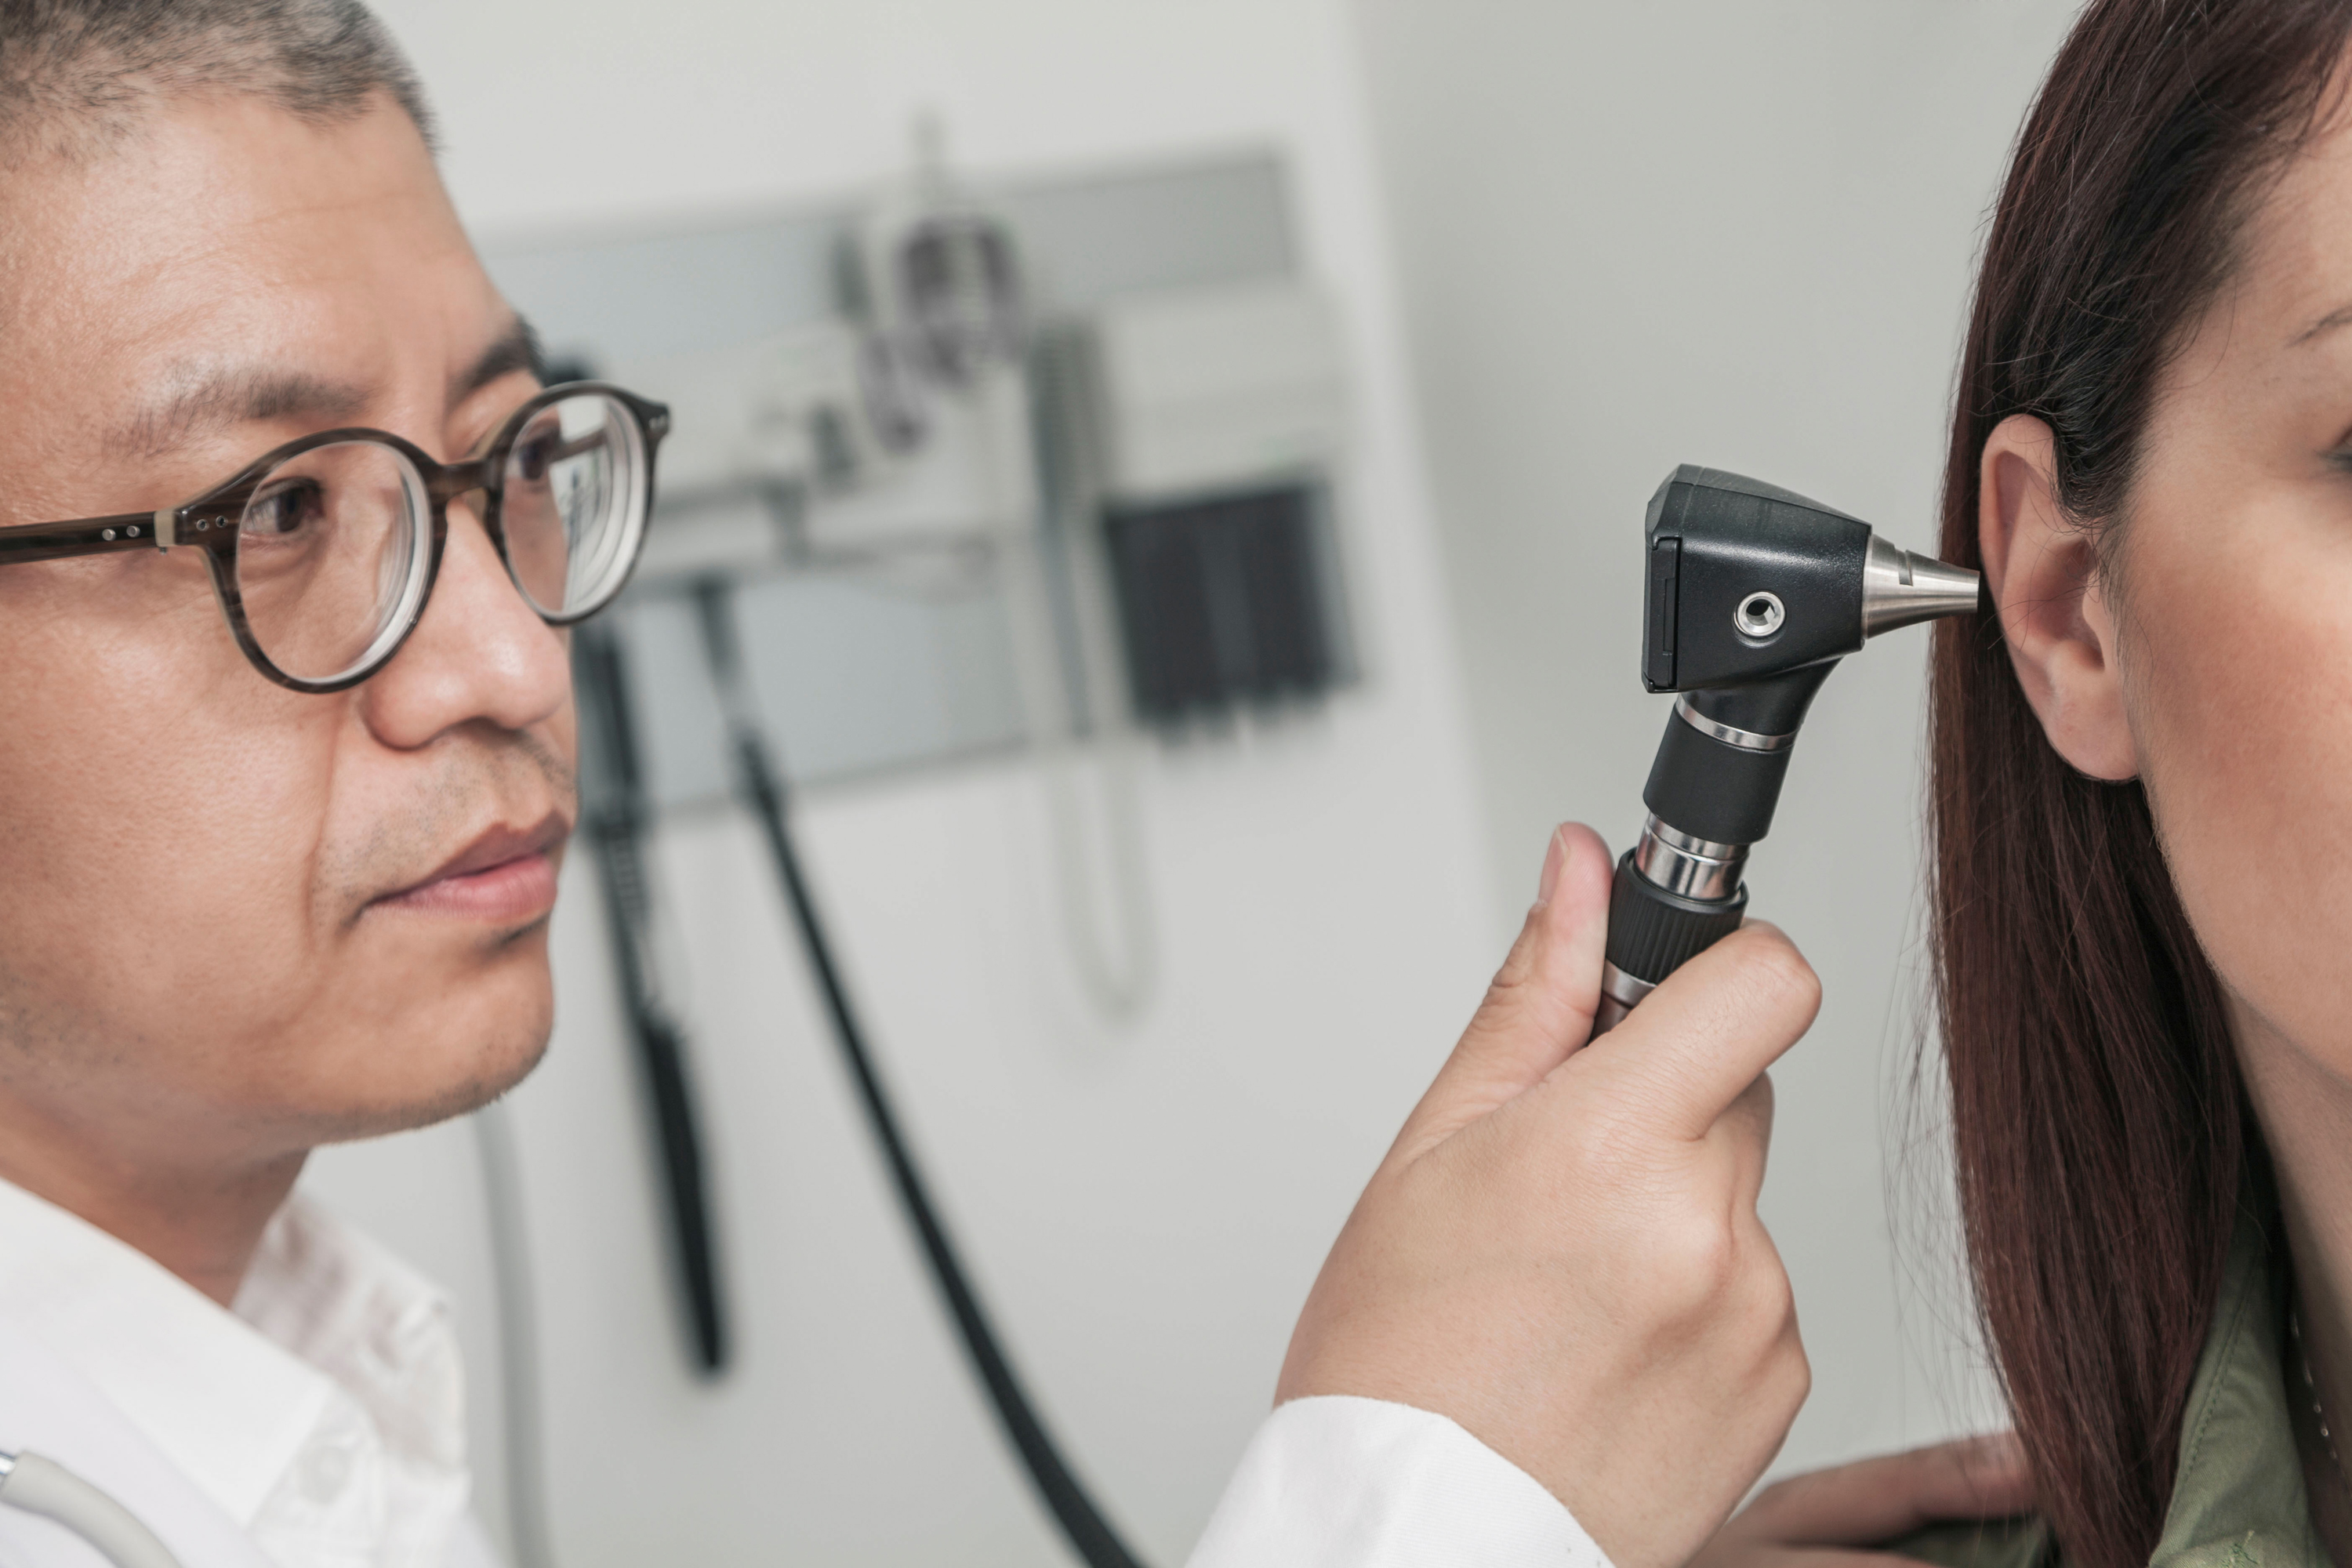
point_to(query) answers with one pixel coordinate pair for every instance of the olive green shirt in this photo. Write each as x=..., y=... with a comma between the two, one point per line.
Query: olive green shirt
x=2238, y=1500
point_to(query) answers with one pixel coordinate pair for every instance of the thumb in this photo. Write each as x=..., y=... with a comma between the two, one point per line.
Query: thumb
x=1539, y=1008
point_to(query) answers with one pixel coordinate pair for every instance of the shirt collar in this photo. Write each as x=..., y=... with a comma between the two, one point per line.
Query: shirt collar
x=2238, y=1498
x=345, y=1305
x=232, y=1397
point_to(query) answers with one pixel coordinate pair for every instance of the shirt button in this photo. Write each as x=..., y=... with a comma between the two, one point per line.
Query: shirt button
x=325, y=1472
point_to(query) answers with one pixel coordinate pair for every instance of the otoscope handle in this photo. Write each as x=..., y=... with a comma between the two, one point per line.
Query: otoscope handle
x=1653, y=932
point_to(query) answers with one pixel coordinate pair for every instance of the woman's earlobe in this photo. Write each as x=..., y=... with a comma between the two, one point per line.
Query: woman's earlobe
x=2042, y=568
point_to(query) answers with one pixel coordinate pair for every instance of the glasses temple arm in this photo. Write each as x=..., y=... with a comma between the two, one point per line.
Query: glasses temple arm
x=89, y=536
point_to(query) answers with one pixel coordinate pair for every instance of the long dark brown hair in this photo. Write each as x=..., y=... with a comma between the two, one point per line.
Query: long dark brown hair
x=2098, y=1114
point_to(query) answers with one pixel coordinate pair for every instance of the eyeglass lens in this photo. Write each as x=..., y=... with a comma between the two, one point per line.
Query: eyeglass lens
x=331, y=557
x=572, y=503
x=336, y=543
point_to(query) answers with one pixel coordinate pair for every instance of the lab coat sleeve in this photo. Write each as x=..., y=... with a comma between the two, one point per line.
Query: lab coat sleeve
x=1336, y=1482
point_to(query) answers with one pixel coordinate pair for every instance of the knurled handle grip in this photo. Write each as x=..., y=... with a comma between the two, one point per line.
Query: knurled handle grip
x=1653, y=932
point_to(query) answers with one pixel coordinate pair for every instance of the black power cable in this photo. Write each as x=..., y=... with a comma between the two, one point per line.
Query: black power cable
x=1089, y=1534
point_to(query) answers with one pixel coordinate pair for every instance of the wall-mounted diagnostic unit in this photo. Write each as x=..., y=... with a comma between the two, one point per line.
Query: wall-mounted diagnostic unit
x=1040, y=471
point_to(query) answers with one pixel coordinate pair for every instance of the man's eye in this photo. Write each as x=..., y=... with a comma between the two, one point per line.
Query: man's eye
x=284, y=507
x=533, y=454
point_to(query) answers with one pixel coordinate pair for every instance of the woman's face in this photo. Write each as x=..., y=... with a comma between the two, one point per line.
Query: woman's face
x=2226, y=610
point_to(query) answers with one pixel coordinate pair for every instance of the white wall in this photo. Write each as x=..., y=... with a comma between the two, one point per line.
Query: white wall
x=1734, y=231
x=1145, y=1205
x=1731, y=231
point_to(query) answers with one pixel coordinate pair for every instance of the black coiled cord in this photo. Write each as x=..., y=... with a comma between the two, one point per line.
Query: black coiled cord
x=764, y=789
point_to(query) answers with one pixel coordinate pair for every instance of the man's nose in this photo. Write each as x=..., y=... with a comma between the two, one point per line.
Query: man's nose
x=480, y=653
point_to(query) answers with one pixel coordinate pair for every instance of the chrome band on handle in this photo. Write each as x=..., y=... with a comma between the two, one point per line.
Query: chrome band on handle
x=1689, y=867
x=1729, y=734
x=1620, y=994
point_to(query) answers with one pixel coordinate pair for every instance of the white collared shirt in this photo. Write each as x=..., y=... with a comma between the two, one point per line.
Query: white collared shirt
x=322, y=1424
x=1360, y=1483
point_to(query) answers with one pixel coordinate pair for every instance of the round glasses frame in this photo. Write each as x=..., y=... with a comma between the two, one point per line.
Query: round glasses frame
x=210, y=522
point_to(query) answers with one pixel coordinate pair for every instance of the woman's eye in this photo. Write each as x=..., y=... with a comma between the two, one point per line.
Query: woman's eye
x=286, y=507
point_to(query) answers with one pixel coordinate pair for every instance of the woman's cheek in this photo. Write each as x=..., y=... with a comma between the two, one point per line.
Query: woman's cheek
x=2244, y=710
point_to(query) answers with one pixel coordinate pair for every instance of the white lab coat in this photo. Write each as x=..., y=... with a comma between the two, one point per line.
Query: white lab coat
x=320, y=1424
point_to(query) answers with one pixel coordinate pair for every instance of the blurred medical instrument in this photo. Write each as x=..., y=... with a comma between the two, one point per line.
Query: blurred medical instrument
x=1753, y=595
x=616, y=813
x=42, y=1486
x=1043, y=473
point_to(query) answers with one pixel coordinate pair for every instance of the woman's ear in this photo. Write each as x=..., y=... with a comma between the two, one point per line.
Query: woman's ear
x=2055, y=613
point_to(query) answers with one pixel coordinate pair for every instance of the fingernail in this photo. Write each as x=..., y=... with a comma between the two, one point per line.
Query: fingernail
x=1555, y=857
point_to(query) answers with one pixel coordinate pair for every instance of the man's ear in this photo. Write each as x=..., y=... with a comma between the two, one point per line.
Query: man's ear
x=2056, y=614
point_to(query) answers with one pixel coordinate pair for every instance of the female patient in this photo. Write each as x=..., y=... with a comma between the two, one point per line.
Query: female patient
x=2143, y=804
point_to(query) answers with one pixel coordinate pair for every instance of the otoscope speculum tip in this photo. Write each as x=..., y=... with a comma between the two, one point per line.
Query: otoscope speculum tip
x=1902, y=587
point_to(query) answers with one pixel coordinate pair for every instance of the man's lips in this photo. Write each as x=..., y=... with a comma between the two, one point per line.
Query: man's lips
x=505, y=877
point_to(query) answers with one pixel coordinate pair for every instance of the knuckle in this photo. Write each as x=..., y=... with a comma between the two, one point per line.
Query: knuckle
x=1793, y=1375
x=1499, y=992
x=1751, y=1298
x=1779, y=971
x=1518, y=964
x=1770, y=1302
x=1697, y=1263
x=1760, y=1315
x=1767, y=1281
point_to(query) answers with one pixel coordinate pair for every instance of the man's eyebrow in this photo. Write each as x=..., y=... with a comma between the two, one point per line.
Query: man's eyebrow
x=518, y=348
x=201, y=399
x=205, y=399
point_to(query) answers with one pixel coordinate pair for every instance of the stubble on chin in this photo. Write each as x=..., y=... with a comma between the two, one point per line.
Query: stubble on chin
x=471, y=1094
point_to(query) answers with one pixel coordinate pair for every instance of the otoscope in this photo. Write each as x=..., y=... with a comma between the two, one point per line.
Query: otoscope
x=1752, y=595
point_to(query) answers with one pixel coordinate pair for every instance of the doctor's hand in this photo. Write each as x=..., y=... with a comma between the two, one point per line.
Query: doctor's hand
x=1561, y=1252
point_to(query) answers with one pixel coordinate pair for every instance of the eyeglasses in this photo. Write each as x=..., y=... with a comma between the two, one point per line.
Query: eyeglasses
x=324, y=551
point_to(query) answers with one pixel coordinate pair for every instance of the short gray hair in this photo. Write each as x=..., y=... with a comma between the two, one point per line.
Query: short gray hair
x=78, y=77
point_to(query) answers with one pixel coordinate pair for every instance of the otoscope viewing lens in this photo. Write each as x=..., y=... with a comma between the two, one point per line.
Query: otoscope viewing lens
x=1761, y=615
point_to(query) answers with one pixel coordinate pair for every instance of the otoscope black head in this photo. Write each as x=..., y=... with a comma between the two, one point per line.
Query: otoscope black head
x=1753, y=595
x=1747, y=581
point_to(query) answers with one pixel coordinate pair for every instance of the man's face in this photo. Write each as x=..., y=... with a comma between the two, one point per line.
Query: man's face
x=237, y=920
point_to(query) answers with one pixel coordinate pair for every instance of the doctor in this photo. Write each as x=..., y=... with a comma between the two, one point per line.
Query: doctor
x=239, y=920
